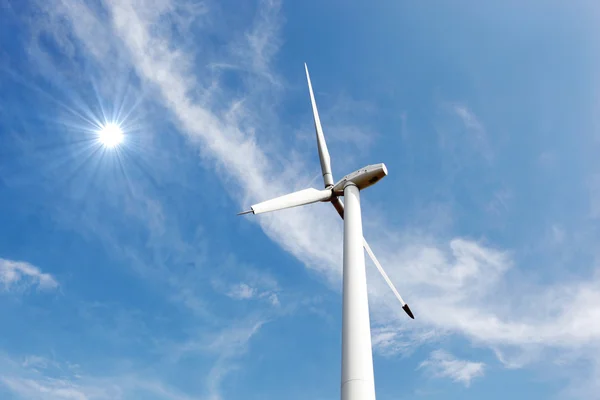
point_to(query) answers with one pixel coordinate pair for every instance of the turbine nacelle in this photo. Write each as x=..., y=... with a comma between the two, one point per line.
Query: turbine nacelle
x=362, y=178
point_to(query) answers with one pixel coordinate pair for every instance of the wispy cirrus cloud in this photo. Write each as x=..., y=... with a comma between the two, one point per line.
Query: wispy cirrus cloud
x=51, y=380
x=468, y=291
x=470, y=120
x=243, y=291
x=393, y=339
x=20, y=274
x=467, y=138
x=227, y=346
x=442, y=364
x=51, y=389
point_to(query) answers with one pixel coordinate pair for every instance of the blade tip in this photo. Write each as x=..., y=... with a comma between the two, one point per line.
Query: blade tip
x=246, y=212
x=407, y=310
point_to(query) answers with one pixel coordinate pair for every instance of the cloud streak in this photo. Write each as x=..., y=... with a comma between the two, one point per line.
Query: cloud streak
x=243, y=291
x=442, y=364
x=20, y=274
x=51, y=389
x=62, y=382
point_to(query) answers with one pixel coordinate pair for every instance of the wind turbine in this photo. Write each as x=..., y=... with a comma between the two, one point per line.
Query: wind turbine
x=357, y=359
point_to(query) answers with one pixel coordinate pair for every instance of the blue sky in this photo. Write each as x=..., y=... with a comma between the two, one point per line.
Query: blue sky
x=127, y=274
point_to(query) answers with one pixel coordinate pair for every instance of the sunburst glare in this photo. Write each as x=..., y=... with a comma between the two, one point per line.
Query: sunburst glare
x=111, y=135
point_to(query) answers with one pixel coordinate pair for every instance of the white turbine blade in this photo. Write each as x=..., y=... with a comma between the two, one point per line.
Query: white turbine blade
x=300, y=198
x=339, y=206
x=322, y=146
x=387, y=279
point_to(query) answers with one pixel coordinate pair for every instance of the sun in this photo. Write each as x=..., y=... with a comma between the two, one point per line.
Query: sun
x=111, y=135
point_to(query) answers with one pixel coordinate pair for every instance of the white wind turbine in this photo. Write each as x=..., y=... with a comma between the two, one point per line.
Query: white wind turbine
x=357, y=358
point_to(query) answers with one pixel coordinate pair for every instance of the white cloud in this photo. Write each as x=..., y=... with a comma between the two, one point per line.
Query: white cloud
x=233, y=341
x=41, y=387
x=465, y=290
x=229, y=344
x=262, y=40
x=391, y=339
x=250, y=282
x=51, y=389
x=38, y=363
x=388, y=341
x=241, y=291
x=471, y=134
x=30, y=380
x=15, y=274
x=499, y=204
x=469, y=119
x=273, y=298
x=442, y=364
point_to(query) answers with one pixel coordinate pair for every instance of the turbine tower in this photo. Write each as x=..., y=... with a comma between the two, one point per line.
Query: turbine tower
x=357, y=358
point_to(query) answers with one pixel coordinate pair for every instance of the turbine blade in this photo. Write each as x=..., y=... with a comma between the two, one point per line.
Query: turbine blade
x=338, y=205
x=387, y=279
x=300, y=198
x=322, y=146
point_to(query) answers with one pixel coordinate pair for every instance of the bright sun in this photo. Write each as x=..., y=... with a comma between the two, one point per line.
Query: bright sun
x=111, y=135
